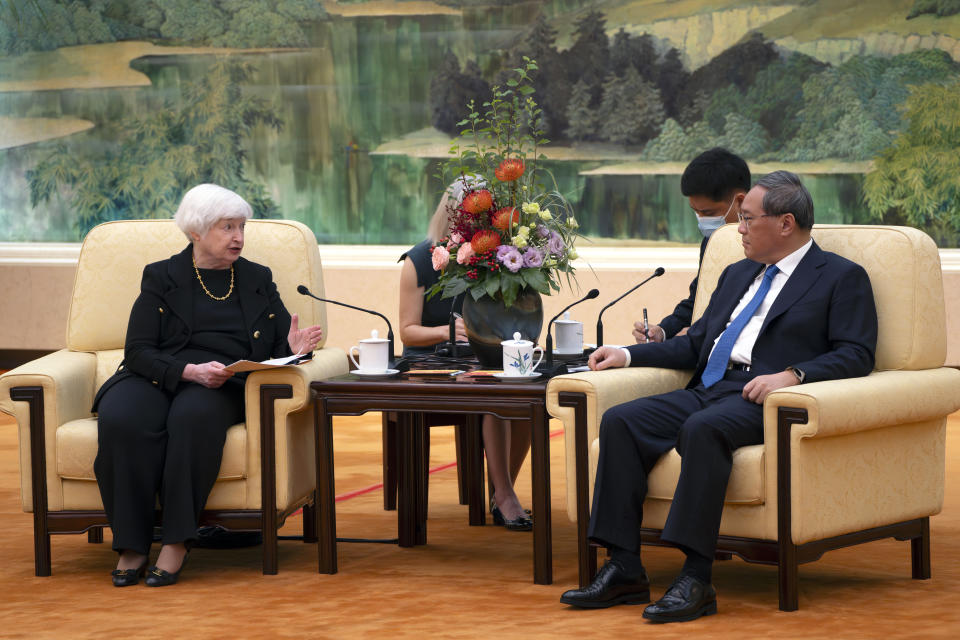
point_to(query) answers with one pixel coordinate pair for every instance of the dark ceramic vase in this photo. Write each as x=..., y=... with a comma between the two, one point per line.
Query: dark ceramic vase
x=488, y=322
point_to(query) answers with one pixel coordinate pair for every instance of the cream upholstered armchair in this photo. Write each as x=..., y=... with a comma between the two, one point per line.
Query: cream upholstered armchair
x=267, y=471
x=843, y=462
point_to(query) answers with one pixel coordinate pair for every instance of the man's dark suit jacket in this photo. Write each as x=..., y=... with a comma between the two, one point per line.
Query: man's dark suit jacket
x=161, y=321
x=823, y=322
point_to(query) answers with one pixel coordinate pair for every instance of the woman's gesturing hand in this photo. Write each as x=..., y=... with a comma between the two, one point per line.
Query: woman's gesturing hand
x=210, y=374
x=303, y=340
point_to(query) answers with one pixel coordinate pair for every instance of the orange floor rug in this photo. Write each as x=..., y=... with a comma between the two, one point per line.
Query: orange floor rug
x=467, y=582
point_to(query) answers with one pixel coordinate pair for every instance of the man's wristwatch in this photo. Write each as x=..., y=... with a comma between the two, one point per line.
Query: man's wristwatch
x=797, y=372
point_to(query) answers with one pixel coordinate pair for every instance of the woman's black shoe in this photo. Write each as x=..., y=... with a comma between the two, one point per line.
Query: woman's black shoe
x=157, y=577
x=520, y=523
x=129, y=577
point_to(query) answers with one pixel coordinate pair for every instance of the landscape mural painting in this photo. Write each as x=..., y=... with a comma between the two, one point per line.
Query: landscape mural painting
x=341, y=114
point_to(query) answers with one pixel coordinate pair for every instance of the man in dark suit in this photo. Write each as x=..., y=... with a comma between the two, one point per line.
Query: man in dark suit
x=789, y=313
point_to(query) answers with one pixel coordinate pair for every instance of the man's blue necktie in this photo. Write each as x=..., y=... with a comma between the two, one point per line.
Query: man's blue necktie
x=717, y=364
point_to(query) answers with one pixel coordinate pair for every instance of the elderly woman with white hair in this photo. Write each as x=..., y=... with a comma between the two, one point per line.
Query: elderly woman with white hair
x=163, y=416
x=425, y=323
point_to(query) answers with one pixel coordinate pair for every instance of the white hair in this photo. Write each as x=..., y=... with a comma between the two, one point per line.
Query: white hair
x=452, y=198
x=205, y=204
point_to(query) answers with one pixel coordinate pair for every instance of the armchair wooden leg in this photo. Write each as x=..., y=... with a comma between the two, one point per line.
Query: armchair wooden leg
x=38, y=475
x=389, y=454
x=310, y=520
x=95, y=535
x=920, y=552
x=269, y=394
x=788, y=578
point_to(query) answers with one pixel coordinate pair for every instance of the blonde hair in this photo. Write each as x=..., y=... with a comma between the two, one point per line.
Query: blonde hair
x=205, y=204
x=440, y=221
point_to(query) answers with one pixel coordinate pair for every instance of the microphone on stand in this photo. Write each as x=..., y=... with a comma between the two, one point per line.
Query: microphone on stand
x=302, y=290
x=657, y=273
x=593, y=293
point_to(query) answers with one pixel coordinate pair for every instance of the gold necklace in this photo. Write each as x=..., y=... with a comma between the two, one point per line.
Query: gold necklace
x=207, y=291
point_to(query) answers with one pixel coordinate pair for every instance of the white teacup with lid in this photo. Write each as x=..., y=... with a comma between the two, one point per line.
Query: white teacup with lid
x=569, y=335
x=373, y=353
x=518, y=356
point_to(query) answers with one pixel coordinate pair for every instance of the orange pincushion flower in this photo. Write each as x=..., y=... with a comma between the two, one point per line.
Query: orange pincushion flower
x=484, y=241
x=477, y=201
x=502, y=218
x=509, y=170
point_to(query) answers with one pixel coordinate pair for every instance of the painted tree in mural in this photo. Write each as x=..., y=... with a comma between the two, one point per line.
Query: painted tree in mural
x=550, y=82
x=631, y=111
x=588, y=58
x=451, y=91
x=581, y=114
x=849, y=111
x=199, y=139
x=736, y=66
x=917, y=179
x=40, y=25
x=938, y=7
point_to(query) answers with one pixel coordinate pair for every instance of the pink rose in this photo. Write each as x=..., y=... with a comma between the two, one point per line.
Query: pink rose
x=440, y=258
x=465, y=253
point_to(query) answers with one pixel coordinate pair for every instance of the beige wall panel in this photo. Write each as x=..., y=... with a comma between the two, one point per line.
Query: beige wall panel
x=34, y=297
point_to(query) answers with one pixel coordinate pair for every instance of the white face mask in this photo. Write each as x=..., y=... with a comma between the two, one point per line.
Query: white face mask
x=709, y=224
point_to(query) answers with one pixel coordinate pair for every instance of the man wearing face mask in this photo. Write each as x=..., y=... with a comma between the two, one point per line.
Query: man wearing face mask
x=714, y=183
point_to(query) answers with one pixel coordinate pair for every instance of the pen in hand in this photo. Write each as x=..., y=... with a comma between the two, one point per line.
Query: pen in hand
x=646, y=325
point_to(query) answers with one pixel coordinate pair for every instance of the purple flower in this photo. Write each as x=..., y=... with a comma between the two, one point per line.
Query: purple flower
x=532, y=257
x=542, y=231
x=502, y=250
x=512, y=259
x=555, y=244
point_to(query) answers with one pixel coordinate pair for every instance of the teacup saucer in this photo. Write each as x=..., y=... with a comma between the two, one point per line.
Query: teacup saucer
x=386, y=373
x=509, y=377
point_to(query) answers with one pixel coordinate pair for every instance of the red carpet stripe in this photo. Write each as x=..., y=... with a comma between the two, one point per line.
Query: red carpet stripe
x=375, y=487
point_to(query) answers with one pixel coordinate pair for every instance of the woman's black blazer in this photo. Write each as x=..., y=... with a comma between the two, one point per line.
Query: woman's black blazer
x=161, y=321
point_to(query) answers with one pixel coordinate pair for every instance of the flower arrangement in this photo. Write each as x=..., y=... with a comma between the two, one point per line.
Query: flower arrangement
x=507, y=233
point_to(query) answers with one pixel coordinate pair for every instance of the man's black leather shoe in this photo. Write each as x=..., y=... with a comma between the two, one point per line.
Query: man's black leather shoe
x=611, y=586
x=687, y=599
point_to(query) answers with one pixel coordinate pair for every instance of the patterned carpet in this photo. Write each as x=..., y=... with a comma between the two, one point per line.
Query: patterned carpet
x=467, y=582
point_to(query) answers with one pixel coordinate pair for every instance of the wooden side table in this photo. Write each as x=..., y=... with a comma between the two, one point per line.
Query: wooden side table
x=413, y=398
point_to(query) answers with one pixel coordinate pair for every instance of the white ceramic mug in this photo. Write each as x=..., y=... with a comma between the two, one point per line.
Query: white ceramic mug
x=373, y=353
x=569, y=335
x=518, y=356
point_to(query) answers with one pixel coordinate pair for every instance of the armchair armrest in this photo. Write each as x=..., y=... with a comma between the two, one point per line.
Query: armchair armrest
x=881, y=399
x=828, y=457
x=67, y=378
x=605, y=389
x=601, y=390
x=326, y=363
x=41, y=395
x=286, y=415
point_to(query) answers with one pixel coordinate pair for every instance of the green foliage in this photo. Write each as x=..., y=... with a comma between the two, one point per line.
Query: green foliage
x=941, y=8
x=744, y=136
x=918, y=176
x=160, y=156
x=632, y=111
x=41, y=25
x=581, y=115
x=676, y=144
x=191, y=21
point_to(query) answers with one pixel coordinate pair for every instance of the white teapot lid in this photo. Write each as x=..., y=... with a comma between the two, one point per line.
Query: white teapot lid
x=516, y=342
x=566, y=319
x=374, y=337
